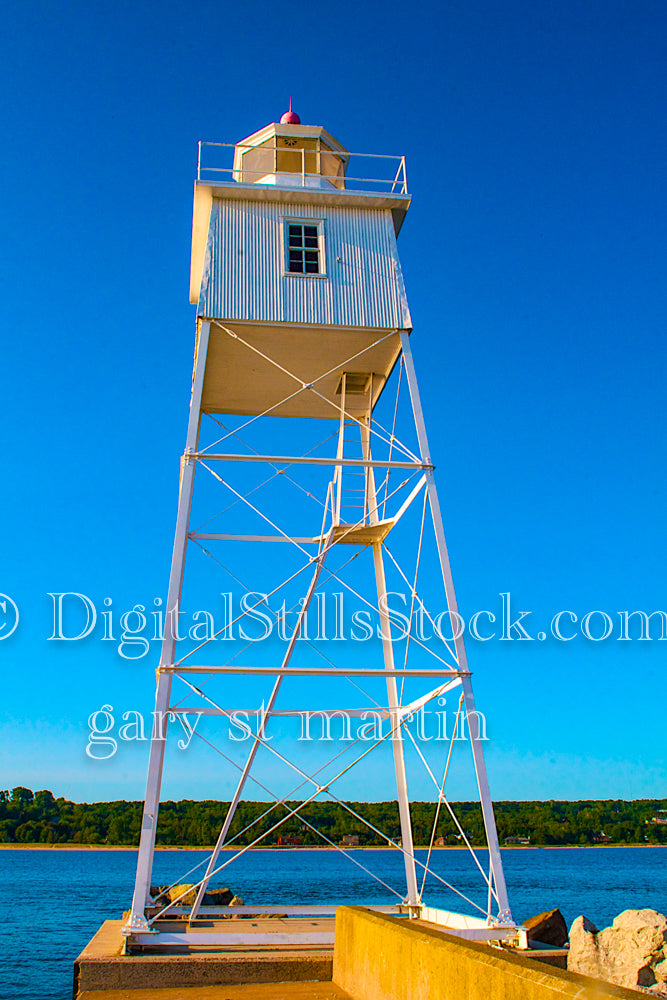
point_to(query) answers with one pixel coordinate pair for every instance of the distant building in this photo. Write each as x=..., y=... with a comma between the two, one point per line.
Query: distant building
x=441, y=842
x=601, y=838
x=289, y=840
x=517, y=841
x=660, y=817
x=350, y=840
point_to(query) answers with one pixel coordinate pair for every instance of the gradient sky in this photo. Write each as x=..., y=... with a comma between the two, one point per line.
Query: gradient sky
x=534, y=255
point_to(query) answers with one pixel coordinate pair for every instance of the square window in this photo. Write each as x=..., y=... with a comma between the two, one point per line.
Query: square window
x=304, y=246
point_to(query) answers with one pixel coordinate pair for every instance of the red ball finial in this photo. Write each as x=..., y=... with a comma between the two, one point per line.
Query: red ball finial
x=290, y=117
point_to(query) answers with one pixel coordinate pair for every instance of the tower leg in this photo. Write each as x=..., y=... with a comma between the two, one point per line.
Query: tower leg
x=137, y=918
x=469, y=701
x=392, y=691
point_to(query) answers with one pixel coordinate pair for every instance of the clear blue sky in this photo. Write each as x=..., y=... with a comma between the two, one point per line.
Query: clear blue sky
x=534, y=255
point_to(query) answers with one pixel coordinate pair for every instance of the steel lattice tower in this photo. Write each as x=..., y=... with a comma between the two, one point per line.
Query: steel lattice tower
x=304, y=381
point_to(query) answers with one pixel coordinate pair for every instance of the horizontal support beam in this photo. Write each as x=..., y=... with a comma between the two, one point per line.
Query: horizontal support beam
x=482, y=934
x=464, y=926
x=311, y=671
x=204, y=939
x=458, y=921
x=254, y=538
x=383, y=712
x=374, y=463
x=290, y=911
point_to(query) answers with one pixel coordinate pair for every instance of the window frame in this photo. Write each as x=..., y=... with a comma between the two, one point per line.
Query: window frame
x=289, y=220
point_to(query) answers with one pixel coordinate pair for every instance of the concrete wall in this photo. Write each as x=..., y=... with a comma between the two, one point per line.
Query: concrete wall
x=377, y=957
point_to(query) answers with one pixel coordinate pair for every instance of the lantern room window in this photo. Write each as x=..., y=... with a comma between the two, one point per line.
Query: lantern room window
x=304, y=247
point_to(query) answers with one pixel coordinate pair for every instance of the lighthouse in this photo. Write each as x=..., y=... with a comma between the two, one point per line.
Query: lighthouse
x=307, y=482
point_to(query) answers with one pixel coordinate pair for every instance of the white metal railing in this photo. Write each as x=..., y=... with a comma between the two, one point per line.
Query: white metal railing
x=213, y=157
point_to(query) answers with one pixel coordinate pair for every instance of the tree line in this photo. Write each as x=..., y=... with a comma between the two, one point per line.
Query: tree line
x=28, y=817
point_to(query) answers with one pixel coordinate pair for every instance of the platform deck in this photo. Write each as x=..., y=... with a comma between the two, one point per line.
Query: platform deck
x=102, y=967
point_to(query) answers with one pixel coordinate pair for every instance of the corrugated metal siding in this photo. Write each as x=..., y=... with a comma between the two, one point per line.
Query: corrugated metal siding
x=243, y=272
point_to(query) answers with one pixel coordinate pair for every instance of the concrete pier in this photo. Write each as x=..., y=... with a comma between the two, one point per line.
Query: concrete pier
x=101, y=966
x=375, y=956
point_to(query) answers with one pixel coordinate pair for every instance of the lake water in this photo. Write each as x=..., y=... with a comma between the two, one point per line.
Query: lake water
x=53, y=901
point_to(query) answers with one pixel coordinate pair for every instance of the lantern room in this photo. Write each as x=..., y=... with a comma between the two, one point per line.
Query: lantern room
x=288, y=153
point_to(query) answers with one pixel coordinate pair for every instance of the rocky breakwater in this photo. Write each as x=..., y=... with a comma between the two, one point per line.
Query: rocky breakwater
x=632, y=952
x=546, y=928
x=185, y=895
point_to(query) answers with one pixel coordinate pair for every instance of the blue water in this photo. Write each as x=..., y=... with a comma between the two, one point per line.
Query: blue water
x=53, y=901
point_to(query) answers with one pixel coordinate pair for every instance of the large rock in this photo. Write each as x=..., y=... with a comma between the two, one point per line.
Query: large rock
x=632, y=952
x=547, y=928
x=584, y=956
x=177, y=891
x=218, y=897
x=212, y=897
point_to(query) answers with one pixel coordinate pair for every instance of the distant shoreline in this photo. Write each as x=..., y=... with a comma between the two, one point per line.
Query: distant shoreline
x=508, y=847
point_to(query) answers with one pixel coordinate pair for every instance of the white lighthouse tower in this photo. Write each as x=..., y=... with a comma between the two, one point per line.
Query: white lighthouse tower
x=314, y=485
